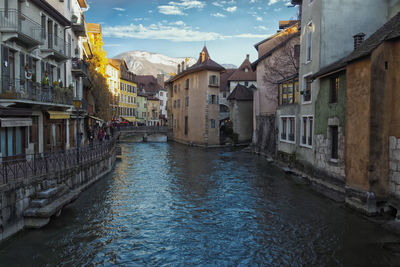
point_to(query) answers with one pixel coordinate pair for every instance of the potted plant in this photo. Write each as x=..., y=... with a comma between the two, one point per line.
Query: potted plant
x=74, y=18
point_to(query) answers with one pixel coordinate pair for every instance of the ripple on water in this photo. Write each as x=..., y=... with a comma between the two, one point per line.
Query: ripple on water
x=167, y=204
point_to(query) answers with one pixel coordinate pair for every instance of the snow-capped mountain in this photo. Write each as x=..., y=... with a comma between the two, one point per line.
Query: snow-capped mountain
x=146, y=63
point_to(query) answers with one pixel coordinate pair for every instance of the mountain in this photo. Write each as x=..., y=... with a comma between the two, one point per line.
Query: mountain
x=146, y=63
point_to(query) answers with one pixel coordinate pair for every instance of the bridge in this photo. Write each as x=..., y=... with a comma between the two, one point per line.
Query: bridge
x=144, y=133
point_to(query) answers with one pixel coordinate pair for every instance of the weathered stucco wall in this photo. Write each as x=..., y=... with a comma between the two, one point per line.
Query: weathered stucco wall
x=358, y=124
x=241, y=114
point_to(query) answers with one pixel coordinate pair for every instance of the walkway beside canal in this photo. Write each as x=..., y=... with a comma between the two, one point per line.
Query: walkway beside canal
x=35, y=188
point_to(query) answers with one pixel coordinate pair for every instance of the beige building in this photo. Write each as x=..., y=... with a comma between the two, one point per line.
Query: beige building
x=195, y=102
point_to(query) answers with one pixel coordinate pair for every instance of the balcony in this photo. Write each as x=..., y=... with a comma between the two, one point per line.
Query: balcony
x=57, y=48
x=80, y=68
x=78, y=25
x=17, y=27
x=20, y=90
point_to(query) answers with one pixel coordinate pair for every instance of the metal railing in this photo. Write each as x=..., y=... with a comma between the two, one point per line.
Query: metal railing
x=81, y=65
x=142, y=129
x=52, y=162
x=13, y=88
x=59, y=45
x=12, y=20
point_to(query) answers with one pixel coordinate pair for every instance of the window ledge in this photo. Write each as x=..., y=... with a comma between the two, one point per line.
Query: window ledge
x=306, y=103
x=334, y=160
x=287, y=141
x=306, y=146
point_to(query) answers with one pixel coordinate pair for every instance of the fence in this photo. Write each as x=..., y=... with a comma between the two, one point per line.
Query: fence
x=52, y=162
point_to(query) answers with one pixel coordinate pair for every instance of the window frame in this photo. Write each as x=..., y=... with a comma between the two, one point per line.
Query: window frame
x=307, y=130
x=304, y=86
x=309, y=36
x=287, y=124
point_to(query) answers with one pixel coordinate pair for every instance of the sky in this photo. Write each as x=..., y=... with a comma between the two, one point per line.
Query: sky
x=180, y=28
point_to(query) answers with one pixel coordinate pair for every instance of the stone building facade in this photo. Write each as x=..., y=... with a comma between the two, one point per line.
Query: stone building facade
x=195, y=102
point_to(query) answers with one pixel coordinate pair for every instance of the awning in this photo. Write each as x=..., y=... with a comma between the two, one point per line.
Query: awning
x=95, y=118
x=15, y=122
x=130, y=119
x=58, y=115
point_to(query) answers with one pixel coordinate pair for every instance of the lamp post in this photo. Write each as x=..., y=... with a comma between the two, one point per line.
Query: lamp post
x=77, y=105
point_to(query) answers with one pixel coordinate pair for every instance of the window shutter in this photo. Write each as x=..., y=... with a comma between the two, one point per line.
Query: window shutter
x=22, y=66
x=210, y=79
x=217, y=99
x=216, y=80
x=5, y=66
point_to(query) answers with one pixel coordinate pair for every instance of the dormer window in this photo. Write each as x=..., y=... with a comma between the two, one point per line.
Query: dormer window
x=246, y=69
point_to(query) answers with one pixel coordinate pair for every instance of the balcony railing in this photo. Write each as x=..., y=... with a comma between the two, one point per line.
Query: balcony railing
x=52, y=162
x=20, y=28
x=57, y=48
x=80, y=67
x=24, y=89
x=78, y=24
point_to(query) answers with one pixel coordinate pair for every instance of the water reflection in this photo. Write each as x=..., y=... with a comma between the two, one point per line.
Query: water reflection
x=167, y=204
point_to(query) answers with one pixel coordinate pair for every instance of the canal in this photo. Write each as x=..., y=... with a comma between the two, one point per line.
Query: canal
x=171, y=205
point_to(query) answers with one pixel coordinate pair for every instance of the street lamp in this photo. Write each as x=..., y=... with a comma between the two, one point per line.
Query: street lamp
x=77, y=105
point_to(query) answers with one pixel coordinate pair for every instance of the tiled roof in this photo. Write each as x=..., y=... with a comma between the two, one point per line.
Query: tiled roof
x=241, y=93
x=114, y=62
x=94, y=27
x=207, y=64
x=241, y=75
x=390, y=30
x=148, y=83
x=224, y=79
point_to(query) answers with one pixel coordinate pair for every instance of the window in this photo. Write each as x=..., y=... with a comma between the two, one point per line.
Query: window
x=246, y=69
x=287, y=129
x=296, y=50
x=43, y=26
x=187, y=84
x=187, y=101
x=186, y=125
x=212, y=123
x=288, y=92
x=307, y=89
x=246, y=83
x=179, y=103
x=161, y=103
x=334, y=89
x=306, y=131
x=213, y=99
x=224, y=94
x=213, y=80
x=175, y=87
x=309, y=41
x=334, y=142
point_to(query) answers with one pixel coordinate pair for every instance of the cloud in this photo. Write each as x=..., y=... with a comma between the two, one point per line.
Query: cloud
x=261, y=28
x=119, y=9
x=231, y=9
x=179, y=23
x=217, y=4
x=175, y=33
x=259, y=18
x=137, y=19
x=177, y=8
x=253, y=1
x=277, y=9
x=271, y=2
x=218, y=15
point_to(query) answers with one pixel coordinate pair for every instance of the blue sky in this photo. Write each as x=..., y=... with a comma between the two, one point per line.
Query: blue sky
x=179, y=28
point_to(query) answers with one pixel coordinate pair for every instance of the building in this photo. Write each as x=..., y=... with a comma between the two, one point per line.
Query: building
x=241, y=115
x=163, y=96
x=113, y=81
x=141, y=111
x=127, y=93
x=37, y=86
x=224, y=91
x=153, y=110
x=194, y=100
x=244, y=75
x=277, y=68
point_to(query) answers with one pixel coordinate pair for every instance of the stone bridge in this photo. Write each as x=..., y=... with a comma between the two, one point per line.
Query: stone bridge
x=144, y=133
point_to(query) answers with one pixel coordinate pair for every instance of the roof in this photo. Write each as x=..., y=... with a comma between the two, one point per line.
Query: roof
x=82, y=3
x=207, y=64
x=148, y=83
x=241, y=75
x=224, y=79
x=113, y=62
x=390, y=30
x=241, y=93
x=270, y=52
x=52, y=12
x=94, y=27
x=290, y=24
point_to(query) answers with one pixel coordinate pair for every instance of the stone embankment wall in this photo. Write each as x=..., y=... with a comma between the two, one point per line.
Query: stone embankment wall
x=18, y=195
x=394, y=166
x=264, y=140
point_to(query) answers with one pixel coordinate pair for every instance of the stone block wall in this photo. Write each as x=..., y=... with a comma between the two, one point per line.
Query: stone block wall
x=394, y=166
x=265, y=136
x=323, y=152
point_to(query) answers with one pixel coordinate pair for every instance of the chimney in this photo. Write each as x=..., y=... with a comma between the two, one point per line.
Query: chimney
x=248, y=57
x=358, y=39
x=183, y=66
x=160, y=79
x=179, y=68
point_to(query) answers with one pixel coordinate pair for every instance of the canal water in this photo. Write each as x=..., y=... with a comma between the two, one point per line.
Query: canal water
x=171, y=205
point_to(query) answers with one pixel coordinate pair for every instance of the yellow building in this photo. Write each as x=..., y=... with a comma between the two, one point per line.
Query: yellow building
x=153, y=110
x=127, y=93
x=112, y=75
